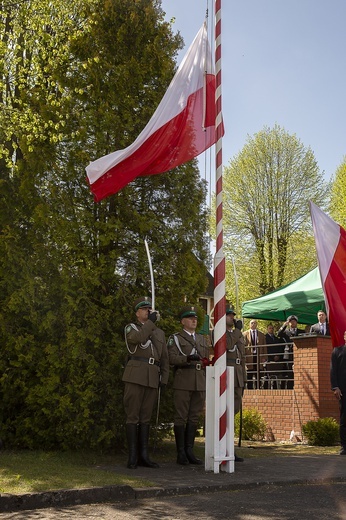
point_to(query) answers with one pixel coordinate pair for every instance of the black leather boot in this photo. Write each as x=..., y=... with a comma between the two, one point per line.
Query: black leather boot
x=179, y=432
x=143, y=438
x=131, y=435
x=190, y=434
x=238, y=459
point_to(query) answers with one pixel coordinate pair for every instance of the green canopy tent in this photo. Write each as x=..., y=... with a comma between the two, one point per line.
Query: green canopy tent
x=303, y=297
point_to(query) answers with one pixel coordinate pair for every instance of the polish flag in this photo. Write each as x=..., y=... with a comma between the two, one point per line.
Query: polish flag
x=330, y=240
x=182, y=127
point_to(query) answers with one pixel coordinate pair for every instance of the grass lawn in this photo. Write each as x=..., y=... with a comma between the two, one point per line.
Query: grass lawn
x=34, y=471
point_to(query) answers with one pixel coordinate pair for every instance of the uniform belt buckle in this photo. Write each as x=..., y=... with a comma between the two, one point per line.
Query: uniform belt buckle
x=198, y=366
x=151, y=361
x=237, y=361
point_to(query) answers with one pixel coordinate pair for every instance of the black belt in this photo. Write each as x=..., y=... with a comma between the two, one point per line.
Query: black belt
x=234, y=361
x=150, y=360
x=197, y=366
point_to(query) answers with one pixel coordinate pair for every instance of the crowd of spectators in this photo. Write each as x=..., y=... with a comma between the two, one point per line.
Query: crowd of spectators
x=269, y=356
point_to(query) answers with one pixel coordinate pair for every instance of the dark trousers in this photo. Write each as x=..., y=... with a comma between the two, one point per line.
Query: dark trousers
x=342, y=404
x=189, y=405
x=139, y=402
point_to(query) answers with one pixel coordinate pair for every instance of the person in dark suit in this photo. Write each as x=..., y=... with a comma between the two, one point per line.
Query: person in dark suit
x=147, y=368
x=322, y=326
x=275, y=365
x=274, y=344
x=286, y=333
x=189, y=355
x=255, y=348
x=338, y=384
x=290, y=328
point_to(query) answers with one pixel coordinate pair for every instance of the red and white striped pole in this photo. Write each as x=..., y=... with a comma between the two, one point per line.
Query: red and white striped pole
x=219, y=261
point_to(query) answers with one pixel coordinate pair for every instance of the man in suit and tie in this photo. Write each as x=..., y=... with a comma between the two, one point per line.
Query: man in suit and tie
x=322, y=326
x=255, y=348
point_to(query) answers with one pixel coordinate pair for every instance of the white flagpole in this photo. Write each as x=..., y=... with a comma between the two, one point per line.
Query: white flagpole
x=223, y=446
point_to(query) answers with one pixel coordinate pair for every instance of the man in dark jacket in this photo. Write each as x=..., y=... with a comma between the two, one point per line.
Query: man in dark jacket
x=147, y=368
x=275, y=368
x=322, y=326
x=338, y=384
x=287, y=332
x=290, y=329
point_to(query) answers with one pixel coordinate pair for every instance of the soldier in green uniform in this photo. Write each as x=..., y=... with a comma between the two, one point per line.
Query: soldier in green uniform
x=189, y=354
x=146, y=370
x=235, y=357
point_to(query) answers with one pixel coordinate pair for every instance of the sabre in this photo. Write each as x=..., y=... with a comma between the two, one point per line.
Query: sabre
x=151, y=274
x=153, y=306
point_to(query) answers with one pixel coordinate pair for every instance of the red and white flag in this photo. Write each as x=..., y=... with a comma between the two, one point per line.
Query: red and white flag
x=182, y=127
x=330, y=240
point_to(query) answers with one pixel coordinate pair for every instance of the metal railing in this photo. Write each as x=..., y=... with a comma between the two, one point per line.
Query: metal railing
x=270, y=367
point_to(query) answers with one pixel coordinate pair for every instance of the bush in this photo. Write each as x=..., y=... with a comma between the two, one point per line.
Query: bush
x=322, y=432
x=254, y=426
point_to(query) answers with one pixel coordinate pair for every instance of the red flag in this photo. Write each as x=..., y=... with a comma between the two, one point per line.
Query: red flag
x=182, y=127
x=330, y=240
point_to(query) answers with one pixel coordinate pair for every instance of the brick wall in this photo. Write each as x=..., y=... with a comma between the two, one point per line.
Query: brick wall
x=286, y=410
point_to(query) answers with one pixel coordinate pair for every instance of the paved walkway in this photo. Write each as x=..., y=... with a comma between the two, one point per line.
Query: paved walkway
x=172, y=479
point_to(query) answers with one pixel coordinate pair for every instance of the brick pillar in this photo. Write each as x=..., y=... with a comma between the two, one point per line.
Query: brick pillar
x=286, y=410
x=314, y=398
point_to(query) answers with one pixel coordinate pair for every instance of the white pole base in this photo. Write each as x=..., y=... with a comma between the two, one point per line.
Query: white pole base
x=219, y=452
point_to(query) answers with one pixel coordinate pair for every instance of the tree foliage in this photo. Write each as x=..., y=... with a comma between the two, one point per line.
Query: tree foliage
x=78, y=80
x=338, y=195
x=267, y=225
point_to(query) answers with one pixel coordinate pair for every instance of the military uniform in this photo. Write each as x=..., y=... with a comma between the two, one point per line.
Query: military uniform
x=189, y=377
x=147, y=368
x=189, y=354
x=235, y=357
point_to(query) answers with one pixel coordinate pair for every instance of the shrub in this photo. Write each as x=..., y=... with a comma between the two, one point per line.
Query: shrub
x=254, y=426
x=322, y=432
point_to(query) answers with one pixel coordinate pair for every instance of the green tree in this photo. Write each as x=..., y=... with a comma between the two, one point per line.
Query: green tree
x=338, y=195
x=267, y=224
x=35, y=39
x=87, y=77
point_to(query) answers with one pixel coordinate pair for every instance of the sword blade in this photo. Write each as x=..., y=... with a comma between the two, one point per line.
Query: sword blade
x=151, y=274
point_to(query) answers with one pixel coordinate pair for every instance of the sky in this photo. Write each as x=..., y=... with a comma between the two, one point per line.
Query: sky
x=284, y=63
